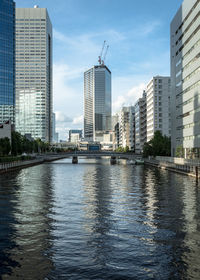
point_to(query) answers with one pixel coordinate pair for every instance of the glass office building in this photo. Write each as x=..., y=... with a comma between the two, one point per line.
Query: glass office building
x=34, y=73
x=7, y=60
x=97, y=102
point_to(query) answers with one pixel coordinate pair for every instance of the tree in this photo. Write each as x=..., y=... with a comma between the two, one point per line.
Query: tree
x=147, y=149
x=159, y=145
x=179, y=151
x=17, y=140
x=5, y=146
x=126, y=149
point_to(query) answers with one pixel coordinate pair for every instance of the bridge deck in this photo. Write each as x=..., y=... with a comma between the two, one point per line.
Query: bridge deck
x=101, y=154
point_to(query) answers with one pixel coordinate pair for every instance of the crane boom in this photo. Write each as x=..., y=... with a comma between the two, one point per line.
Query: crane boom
x=100, y=56
x=103, y=60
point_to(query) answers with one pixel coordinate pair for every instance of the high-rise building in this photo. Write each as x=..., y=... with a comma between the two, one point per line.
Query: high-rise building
x=158, y=106
x=7, y=60
x=140, y=123
x=54, y=136
x=97, y=102
x=127, y=127
x=34, y=73
x=185, y=75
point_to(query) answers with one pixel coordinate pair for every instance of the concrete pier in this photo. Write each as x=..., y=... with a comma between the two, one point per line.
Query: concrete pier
x=74, y=159
x=113, y=160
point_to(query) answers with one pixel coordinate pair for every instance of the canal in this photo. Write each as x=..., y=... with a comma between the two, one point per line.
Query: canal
x=94, y=220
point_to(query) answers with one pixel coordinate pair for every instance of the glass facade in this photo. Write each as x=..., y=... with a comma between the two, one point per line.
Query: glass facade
x=34, y=73
x=97, y=102
x=7, y=60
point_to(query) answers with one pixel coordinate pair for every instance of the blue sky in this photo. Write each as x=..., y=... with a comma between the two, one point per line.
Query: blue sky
x=137, y=33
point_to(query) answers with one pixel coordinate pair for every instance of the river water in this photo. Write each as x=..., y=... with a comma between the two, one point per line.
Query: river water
x=94, y=220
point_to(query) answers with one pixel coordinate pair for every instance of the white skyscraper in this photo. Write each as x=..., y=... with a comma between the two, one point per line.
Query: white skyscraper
x=34, y=72
x=97, y=102
x=140, y=123
x=158, y=106
x=185, y=75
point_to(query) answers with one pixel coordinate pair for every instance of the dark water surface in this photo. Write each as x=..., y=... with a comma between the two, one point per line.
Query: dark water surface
x=96, y=221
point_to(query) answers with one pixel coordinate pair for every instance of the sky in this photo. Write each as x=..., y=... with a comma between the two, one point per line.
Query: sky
x=138, y=35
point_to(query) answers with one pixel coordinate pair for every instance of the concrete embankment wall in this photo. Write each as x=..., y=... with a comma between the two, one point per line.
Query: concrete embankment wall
x=10, y=166
x=179, y=165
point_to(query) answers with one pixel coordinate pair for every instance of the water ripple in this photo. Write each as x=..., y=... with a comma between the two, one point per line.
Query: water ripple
x=96, y=221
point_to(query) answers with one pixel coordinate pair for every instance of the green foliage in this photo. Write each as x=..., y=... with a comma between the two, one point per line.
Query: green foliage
x=16, y=147
x=179, y=151
x=122, y=150
x=5, y=159
x=20, y=144
x=5, y=146
x=147, y=149
x=159, y=145
x=126, y=149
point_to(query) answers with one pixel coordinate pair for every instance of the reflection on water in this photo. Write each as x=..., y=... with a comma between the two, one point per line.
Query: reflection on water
x=25, y=226
x=97, y=221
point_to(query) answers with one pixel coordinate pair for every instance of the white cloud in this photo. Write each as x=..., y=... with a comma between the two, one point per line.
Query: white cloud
x=62, y=118
x=149, y=27
x=118, y=103
x=136, y=91
x=129, y=97
x=66, y=89
x=78, y=120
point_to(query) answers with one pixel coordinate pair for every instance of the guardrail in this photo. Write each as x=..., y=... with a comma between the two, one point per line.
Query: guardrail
x=194, y=162
x=18, y=164
x=189, y=167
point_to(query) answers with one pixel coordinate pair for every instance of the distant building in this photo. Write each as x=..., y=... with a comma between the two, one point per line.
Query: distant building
x=127, y=127
x=56, y=137
x=158, y=106
x=75, y=135
x=116, y=136
x=7, y=60
x=140, y=123
x=97, y=102
x=107, y=143
x=6, y=130
x=115, y=131
x=54, y=134
x=34, y=73
x=185, y=75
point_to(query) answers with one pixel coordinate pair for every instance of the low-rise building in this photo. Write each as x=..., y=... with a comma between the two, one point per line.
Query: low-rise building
x=6, y=130
x=75, y=135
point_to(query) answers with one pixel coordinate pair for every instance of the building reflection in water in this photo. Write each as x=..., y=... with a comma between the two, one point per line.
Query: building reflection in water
x=172, y=207
x=191, y=212
x=97, y=221
x=29, y=242
x=98, y=212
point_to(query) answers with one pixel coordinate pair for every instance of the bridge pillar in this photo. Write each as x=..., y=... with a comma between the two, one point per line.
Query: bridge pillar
x=113, y=160
x=74, y=159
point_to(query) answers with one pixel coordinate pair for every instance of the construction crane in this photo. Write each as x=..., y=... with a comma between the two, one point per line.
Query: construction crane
x=100, y=56
x=103, y=60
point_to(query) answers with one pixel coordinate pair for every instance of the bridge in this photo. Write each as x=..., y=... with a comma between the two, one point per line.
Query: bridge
x=98, y=154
